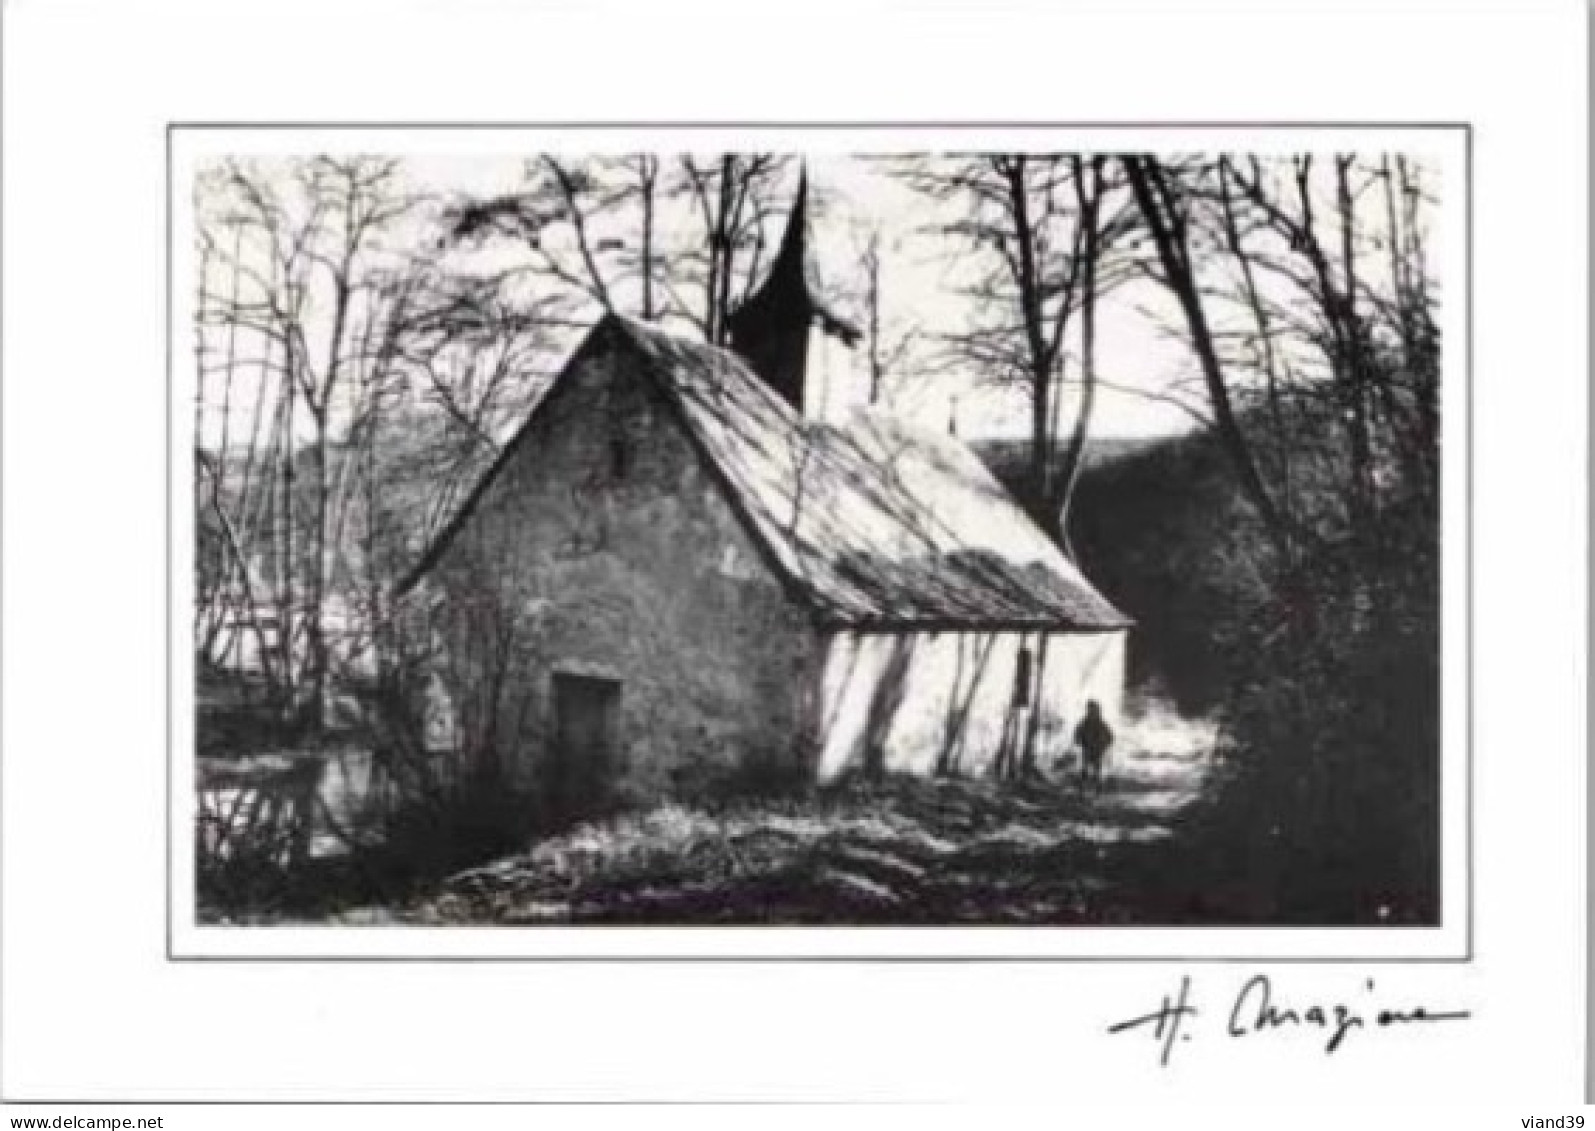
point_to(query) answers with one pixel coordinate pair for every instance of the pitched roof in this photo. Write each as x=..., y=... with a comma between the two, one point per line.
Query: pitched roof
x=871, y=523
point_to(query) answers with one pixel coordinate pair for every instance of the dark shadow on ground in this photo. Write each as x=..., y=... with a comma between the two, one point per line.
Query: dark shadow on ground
x=900, y=851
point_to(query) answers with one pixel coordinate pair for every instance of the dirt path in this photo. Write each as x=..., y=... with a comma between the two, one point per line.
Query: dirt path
x=906, y=851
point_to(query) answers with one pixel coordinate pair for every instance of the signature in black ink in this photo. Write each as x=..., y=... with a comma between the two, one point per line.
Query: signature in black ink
x=1256, y=1010
x=1168, y=1019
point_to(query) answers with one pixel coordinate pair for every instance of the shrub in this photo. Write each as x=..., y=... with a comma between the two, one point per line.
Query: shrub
x=1334, y=711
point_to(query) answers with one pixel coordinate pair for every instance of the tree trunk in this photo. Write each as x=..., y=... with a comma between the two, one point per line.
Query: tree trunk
x=1265, y=334
x=321, y=569
x=1153, y=197
x=648, y=171
x=1030, y=311
x=315, y=628
x=287, y=603
x=1074, y=456
x=872, y=266
x=721, y=296
x=1354, y=366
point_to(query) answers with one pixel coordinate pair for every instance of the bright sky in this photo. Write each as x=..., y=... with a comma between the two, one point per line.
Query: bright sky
x=1141, y=366
x=855, y=195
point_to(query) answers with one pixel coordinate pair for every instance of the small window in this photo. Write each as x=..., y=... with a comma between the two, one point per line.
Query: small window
x=619, y=452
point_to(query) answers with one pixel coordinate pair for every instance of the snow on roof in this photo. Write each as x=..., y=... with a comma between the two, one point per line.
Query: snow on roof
x=873, y=524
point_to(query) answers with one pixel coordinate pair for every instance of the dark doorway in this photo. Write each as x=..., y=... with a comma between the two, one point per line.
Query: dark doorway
x=586, y=724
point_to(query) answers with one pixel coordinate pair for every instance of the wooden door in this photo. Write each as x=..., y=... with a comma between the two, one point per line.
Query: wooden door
x=586, y=712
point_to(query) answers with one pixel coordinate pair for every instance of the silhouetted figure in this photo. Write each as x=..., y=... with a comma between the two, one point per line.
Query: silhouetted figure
x=1093, y=736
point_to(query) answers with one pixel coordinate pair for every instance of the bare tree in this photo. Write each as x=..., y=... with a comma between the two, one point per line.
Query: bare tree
x=1089, y=192
x=736, y=202
x=887, y=343
x=322, y=233
x=1165, y=211
x=381, y=383
x=1040, y=227
x=685, y=241
x=1309, y=299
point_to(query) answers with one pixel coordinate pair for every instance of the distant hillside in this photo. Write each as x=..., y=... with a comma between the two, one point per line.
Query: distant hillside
x=1161, y=531
x=1009, y=457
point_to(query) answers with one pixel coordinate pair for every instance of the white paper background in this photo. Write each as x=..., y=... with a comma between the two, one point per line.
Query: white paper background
x=92, y=1009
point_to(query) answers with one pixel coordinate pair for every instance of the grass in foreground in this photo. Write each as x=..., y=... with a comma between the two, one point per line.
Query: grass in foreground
x=904, y=851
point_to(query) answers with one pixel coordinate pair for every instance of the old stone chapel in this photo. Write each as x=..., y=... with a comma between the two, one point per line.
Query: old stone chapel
x=673, y=579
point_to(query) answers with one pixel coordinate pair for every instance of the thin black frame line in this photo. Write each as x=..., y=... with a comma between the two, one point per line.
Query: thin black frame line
x=1589, y=622
x=171, y=576
x=1466, y=128
x=3, y=715
x=1467, y=604
x=813, y=124
x=819, y=959
x=618, y=927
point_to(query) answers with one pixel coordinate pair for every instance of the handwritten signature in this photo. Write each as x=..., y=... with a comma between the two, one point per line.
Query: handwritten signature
x=1255, y=1010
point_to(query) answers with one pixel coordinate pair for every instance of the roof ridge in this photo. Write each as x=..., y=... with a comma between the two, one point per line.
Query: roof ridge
x=860, y=530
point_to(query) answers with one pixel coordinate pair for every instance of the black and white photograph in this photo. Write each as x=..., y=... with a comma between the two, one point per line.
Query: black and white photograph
x=932, y=538
x=719, y=565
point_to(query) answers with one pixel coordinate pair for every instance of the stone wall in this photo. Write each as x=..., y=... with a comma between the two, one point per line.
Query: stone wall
x=924, y=702
x=603, y=547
